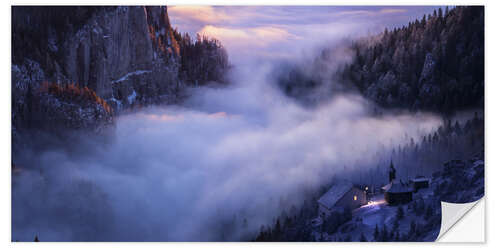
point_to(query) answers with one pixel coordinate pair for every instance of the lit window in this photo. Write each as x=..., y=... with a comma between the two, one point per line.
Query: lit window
x=355, y=198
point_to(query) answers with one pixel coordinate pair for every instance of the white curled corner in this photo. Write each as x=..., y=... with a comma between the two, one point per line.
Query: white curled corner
x=451, y=213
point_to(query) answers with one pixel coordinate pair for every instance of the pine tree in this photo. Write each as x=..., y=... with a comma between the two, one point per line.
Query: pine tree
x=262, y=234
x=413, y=228
x=376, y=233
x=395, y=226
x=384, y=236
x=429, y=212
x=362, y=238
x=277, y=230
x=457, y=128
x=400, y=213
x=245, y=223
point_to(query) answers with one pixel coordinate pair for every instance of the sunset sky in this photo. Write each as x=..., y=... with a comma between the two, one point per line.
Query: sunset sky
x=280, y=31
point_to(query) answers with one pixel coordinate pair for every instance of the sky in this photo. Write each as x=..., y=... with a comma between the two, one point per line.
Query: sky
x=288, y=31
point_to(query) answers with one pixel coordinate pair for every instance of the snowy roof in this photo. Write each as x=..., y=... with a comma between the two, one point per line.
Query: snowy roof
x=398, y=187
x=477, y=163
x=337, y=191
x=420, y=179
x=386, y=187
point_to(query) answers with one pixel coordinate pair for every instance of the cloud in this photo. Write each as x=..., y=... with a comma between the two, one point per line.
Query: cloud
x=390, y=11
x=371, y=12
x=282, y=32
x=258, y=36
x=203, y=14
x=355, y=12
x=253, y=42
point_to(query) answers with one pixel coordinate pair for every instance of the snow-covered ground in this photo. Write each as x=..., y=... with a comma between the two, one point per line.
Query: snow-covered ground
x=126, y=76
x=418, y=220
x=377, y=213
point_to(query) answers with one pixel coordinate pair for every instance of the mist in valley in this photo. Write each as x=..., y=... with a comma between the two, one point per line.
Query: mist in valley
x=178, y=173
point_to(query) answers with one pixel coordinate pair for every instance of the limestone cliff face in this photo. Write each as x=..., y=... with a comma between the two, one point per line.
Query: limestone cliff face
x=126, y=55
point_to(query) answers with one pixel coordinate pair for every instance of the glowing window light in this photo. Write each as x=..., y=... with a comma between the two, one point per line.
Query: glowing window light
x=355, y=197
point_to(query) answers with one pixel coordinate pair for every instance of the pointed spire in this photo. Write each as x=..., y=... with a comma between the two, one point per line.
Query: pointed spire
x=392, y=172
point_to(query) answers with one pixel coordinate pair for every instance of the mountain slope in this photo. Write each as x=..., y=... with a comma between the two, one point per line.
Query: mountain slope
x=434, y=64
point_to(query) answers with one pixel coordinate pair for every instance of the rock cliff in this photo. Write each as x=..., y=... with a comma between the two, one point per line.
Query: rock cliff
x=125, y=56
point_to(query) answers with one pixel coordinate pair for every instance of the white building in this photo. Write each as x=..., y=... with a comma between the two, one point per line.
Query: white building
x=342, y=194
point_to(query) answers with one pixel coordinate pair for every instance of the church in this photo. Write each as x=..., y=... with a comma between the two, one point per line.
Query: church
x=397, y=191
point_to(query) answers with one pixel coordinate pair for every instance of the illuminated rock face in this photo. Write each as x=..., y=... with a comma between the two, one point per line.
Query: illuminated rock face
x=101, y=48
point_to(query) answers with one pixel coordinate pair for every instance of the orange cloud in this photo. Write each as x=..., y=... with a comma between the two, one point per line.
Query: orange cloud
x=371, y=13
x=355, y=12
x=218, y=115
x=259, y=36
x=163, y=117
x=204, y=14
x=390, y=11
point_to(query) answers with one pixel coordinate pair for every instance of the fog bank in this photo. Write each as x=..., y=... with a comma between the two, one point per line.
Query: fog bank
x=191, y=172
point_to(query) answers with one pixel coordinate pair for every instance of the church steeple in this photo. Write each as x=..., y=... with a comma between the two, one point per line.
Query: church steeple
x=392, y=172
